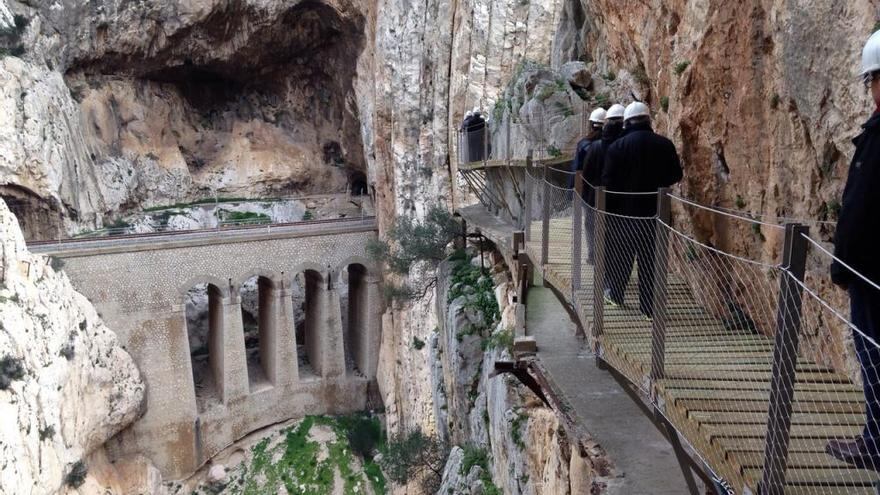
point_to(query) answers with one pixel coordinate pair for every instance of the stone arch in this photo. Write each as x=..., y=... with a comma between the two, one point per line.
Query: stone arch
x=203, y=304
x=360, y=260
x=320, y=269
x=259, y=315
x=221, y=284
x=277, y=278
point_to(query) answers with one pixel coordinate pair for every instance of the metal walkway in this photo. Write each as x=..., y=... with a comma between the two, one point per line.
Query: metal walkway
x=740, y=357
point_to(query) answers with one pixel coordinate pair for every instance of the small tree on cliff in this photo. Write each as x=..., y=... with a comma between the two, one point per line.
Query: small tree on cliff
x=418, y=245
x=416, y=457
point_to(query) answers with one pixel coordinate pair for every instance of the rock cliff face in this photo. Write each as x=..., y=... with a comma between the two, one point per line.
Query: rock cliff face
x=120, y=105
x=65, y=384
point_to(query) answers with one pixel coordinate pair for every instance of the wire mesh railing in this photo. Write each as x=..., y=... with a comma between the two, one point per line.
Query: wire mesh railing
x=769, y=381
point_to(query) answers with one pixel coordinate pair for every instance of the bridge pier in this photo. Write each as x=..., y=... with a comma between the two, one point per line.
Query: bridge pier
x=287, y=364
x=227, y=344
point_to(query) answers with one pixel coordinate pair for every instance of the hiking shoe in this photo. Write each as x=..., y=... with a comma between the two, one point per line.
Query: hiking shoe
x=854, y=452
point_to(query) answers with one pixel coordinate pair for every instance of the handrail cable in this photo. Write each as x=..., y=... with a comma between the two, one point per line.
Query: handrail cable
x=716, y=250
x=721, y=212
x=842, y=263
x=829, y=308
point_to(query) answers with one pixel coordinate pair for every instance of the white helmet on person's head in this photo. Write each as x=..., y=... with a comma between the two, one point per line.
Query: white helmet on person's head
x=615, y=112
x=636, y=109
x=871, y=56
x=469, y=114
x=475, y=111
x=598, y=116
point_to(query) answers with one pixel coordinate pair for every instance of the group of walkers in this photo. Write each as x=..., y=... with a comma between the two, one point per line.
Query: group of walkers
x=623, y=154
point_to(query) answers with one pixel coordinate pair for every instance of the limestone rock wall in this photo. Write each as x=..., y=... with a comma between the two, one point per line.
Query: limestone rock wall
x=527, y=447
x=76, y=387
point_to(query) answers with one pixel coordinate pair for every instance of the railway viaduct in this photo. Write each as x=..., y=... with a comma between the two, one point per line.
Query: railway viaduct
x=140, y=285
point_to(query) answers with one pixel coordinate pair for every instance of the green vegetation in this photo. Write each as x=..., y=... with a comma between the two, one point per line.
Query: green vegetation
x=603, y=99
x=664, y=103
x=415, y=455
x=308, y=215
x=477, y=456
x=681, y=67
x=830, y=210
x=740, y=202
x=516, y=425
x=876, y=27
x=417, y=343
x=502, y=339
x=564, y=109
x=206, y=201
x=502, y=105
x=293, y=463
x=756, y=229
x=10, y=37
x=76, y=476
x=227, y=216
x=545, y=92
x=474, y=283
x=413, y=242
x=11, y=369
x=610, y=76
x=553, y=151
x=640, y=75
x=774, y=101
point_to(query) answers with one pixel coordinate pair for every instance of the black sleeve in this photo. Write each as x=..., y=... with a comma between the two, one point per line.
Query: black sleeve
x=610, y=169
x=673, y=173
x=859, y=200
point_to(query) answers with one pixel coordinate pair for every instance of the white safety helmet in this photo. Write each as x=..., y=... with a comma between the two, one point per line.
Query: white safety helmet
x=598, y=116
x=871, y=55
x=615, y=112
x=636, y=109
x=476, y=110
x=469, y=114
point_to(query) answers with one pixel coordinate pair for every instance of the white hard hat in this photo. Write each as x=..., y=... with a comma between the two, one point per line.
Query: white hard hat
x=615, y=112
x=476, y=110
x=469, y=114
x=636, y=109
x=598, y=116
x=871, y=55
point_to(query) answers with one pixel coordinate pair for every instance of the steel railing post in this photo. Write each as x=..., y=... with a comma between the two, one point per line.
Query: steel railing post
x=599, y=225
x=545, y=226
x=661, y=269
x=577, y=223
x=785, y=348
x=485, y=144
x=529, y=193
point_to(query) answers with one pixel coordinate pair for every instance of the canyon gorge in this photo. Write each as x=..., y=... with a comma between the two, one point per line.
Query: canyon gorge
x=183, y=114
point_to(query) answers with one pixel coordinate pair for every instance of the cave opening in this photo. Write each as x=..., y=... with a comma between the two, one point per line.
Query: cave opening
x=38, y=218
x=247, y=101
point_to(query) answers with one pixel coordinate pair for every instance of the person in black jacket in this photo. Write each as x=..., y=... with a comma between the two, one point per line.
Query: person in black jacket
x=856, y=242
x=593, y=163
x=597, y=120
x=636, y=165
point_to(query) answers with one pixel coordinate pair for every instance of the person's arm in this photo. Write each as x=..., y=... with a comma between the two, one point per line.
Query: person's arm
x=610, y=168
x=859, y=201
x=673, y=173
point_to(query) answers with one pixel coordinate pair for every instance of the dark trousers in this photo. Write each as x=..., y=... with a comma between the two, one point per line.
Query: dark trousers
x=628, y=240
x=865, y=307
x=590, y=231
